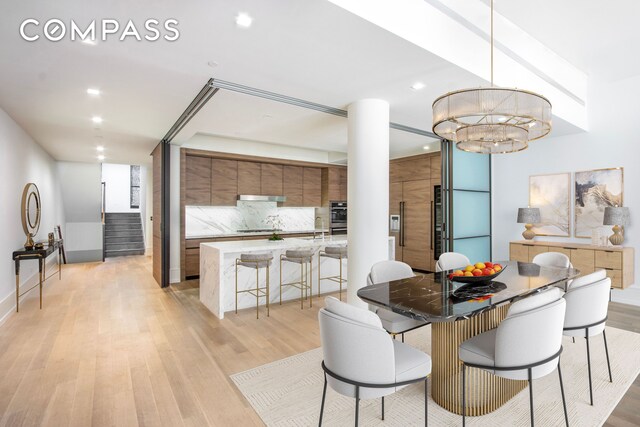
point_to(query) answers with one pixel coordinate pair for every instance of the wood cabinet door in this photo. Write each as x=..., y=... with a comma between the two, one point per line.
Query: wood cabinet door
x=416, y=196
x=536, y=250
x=518, y=252
x=343, y=183
x=249, y=174
x=312, y=187
x=198, y=181
x=224, y=182
x=395, y=197
x=292, y=185
x=435, y=169
x=271, y=183
x=583, y=260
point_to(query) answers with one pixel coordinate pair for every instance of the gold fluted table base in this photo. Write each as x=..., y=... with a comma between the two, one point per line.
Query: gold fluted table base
x=485, y=392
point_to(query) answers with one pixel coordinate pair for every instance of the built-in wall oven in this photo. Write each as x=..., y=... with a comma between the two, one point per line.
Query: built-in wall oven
x=338, y=217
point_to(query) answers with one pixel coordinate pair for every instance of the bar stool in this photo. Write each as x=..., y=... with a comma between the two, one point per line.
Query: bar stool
x=257, y=261
x=335, y=252
x=302, y=257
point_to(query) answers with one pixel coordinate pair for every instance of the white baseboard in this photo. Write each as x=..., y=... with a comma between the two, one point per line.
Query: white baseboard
x=8, y=304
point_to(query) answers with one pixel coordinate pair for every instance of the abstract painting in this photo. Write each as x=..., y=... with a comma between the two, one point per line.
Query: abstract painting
x=551, y=194
x=595, y=190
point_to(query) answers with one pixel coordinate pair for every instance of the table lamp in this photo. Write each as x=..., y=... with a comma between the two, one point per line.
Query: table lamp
x=616, y=216
x=528, y=217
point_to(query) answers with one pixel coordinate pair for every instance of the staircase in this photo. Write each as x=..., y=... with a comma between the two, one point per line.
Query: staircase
x=123, y=234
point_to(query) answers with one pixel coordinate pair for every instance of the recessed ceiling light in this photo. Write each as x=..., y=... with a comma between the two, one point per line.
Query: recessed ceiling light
x=96, y=119
x=213, y=64
x=89, y=41
x=426, y=147
x=101, y=157
x=93, y=91
x=418, y=86
x=243, y=20
x=100, y=148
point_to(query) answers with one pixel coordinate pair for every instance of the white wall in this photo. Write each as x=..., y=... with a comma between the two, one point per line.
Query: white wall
x=82, y=199
x=23, y=161
x=611, y=142
x=118, y=187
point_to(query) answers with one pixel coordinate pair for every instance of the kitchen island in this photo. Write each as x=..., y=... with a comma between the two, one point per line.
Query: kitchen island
x=217, y=271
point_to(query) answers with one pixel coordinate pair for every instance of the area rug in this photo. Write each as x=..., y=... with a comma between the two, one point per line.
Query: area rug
x=288, y=392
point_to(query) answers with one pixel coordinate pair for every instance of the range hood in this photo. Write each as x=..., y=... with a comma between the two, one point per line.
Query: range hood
x=256, y=198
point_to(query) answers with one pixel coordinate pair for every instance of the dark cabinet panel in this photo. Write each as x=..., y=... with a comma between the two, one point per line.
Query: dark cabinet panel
x=224, y=182
x=198, y=181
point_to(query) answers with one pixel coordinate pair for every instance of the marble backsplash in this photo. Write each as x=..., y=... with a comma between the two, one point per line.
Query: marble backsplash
x=215, y=220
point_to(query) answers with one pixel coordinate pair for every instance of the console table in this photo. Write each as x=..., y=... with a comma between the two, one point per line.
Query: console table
x=617, y=261
x=41, y=256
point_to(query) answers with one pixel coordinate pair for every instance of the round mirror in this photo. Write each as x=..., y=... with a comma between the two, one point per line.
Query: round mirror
x=31, y=210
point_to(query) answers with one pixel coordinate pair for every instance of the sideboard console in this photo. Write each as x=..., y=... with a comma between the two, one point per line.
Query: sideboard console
x=618, y=261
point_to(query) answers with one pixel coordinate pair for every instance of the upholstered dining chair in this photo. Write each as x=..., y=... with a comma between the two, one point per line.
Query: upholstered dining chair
x=525, y=346
x=362, y=361
x=554, y=259
x=587, y=305
x=450, y=261
x=393, y=323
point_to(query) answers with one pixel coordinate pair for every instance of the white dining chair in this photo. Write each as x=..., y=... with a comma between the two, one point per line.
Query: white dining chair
x=362, y=361
x=587, y=305
x=393, y=323
x=525, y=346
x=451, y=260
x=552, y=259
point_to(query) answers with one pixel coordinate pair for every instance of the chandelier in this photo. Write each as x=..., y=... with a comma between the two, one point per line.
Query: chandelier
x=491, y=120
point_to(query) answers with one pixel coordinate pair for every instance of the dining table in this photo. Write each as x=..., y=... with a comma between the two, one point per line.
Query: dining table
x=458, y=311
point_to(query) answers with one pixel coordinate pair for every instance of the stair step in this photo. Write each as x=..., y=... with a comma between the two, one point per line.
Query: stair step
x=122, y=214
x=123, y=252
x=122, y=221
x=119, y=246
x=123, y=233
x=124, y=239
x=119, y=227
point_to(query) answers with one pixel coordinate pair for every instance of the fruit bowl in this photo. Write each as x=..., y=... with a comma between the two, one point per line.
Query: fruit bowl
x=480, y=272
x=476, y=279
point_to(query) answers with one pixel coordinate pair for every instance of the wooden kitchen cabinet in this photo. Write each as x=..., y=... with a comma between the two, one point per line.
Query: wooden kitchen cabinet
x=618, y=262
x=312, y=187
x=249, y=177
x=271, y=181
x=395, y=198
x=292, y=185
x=334, y=184
x=224, y=182
x=417, y=223
x=197, y=181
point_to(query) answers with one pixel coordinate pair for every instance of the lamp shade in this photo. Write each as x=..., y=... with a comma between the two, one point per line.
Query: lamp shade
x=614, y=215
x=528, y=216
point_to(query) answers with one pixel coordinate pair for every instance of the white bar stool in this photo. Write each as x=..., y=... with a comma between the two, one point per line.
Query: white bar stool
x=335, y=252
x=257, y=261
x=302, y=257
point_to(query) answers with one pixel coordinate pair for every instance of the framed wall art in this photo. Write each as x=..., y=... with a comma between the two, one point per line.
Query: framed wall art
x=552, y=195
x=595, y=190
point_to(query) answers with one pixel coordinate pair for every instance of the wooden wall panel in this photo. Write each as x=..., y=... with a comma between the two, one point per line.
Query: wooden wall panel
x=249, y=177
x=271, y=182
x=224, y=182
x=417, y=223
x=198, y=181
x=157, y=213
x=312, y=187
x=292, y=185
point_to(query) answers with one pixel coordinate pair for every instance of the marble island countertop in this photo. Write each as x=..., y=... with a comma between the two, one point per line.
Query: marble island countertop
x=267, y=245
x=256, y=233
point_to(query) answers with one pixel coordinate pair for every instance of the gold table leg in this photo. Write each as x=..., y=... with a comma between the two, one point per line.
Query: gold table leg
x=485, y=391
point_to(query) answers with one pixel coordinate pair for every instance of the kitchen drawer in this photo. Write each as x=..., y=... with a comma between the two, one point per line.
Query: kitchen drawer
x=192, y=262
x=536, y=250
x=566, y=251
x=583, y=260
x=609, y=259
x=518, y=252
x=616, y=277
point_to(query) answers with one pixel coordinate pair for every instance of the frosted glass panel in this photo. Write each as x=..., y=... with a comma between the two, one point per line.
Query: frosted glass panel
x=471, y=214
x=471, y=171
x=477, y=249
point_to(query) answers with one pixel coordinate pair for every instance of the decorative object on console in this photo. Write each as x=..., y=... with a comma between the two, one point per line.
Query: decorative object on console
x=528, y=216
x=31, y=213
x=276, y=224
x=595, y=190
x=552, y=195
x=51, y=239
x=491, y=120
x=616, y=216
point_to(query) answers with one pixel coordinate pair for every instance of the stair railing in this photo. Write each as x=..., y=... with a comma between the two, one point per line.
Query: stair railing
x=103, y=216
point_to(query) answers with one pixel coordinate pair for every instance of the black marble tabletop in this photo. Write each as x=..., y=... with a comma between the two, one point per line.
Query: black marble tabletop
x=436, y=298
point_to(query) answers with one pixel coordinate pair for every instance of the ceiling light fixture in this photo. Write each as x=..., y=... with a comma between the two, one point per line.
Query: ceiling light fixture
x=243, y=20
x=96, y=119
x=418, y=86
x=426, y=147
x=101, y=157
x=89, y=41
x=100, y=148
x=491, y=120
x=93, y=91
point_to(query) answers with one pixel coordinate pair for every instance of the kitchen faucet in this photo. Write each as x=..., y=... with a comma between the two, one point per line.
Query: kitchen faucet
x=321, y=228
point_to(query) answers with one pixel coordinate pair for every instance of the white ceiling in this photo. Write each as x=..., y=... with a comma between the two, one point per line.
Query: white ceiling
x=311, y=50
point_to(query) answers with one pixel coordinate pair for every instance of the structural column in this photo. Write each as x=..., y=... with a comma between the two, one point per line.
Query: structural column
x=368, y=192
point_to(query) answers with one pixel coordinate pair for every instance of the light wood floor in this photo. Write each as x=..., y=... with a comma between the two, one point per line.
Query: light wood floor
x=112, y=348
